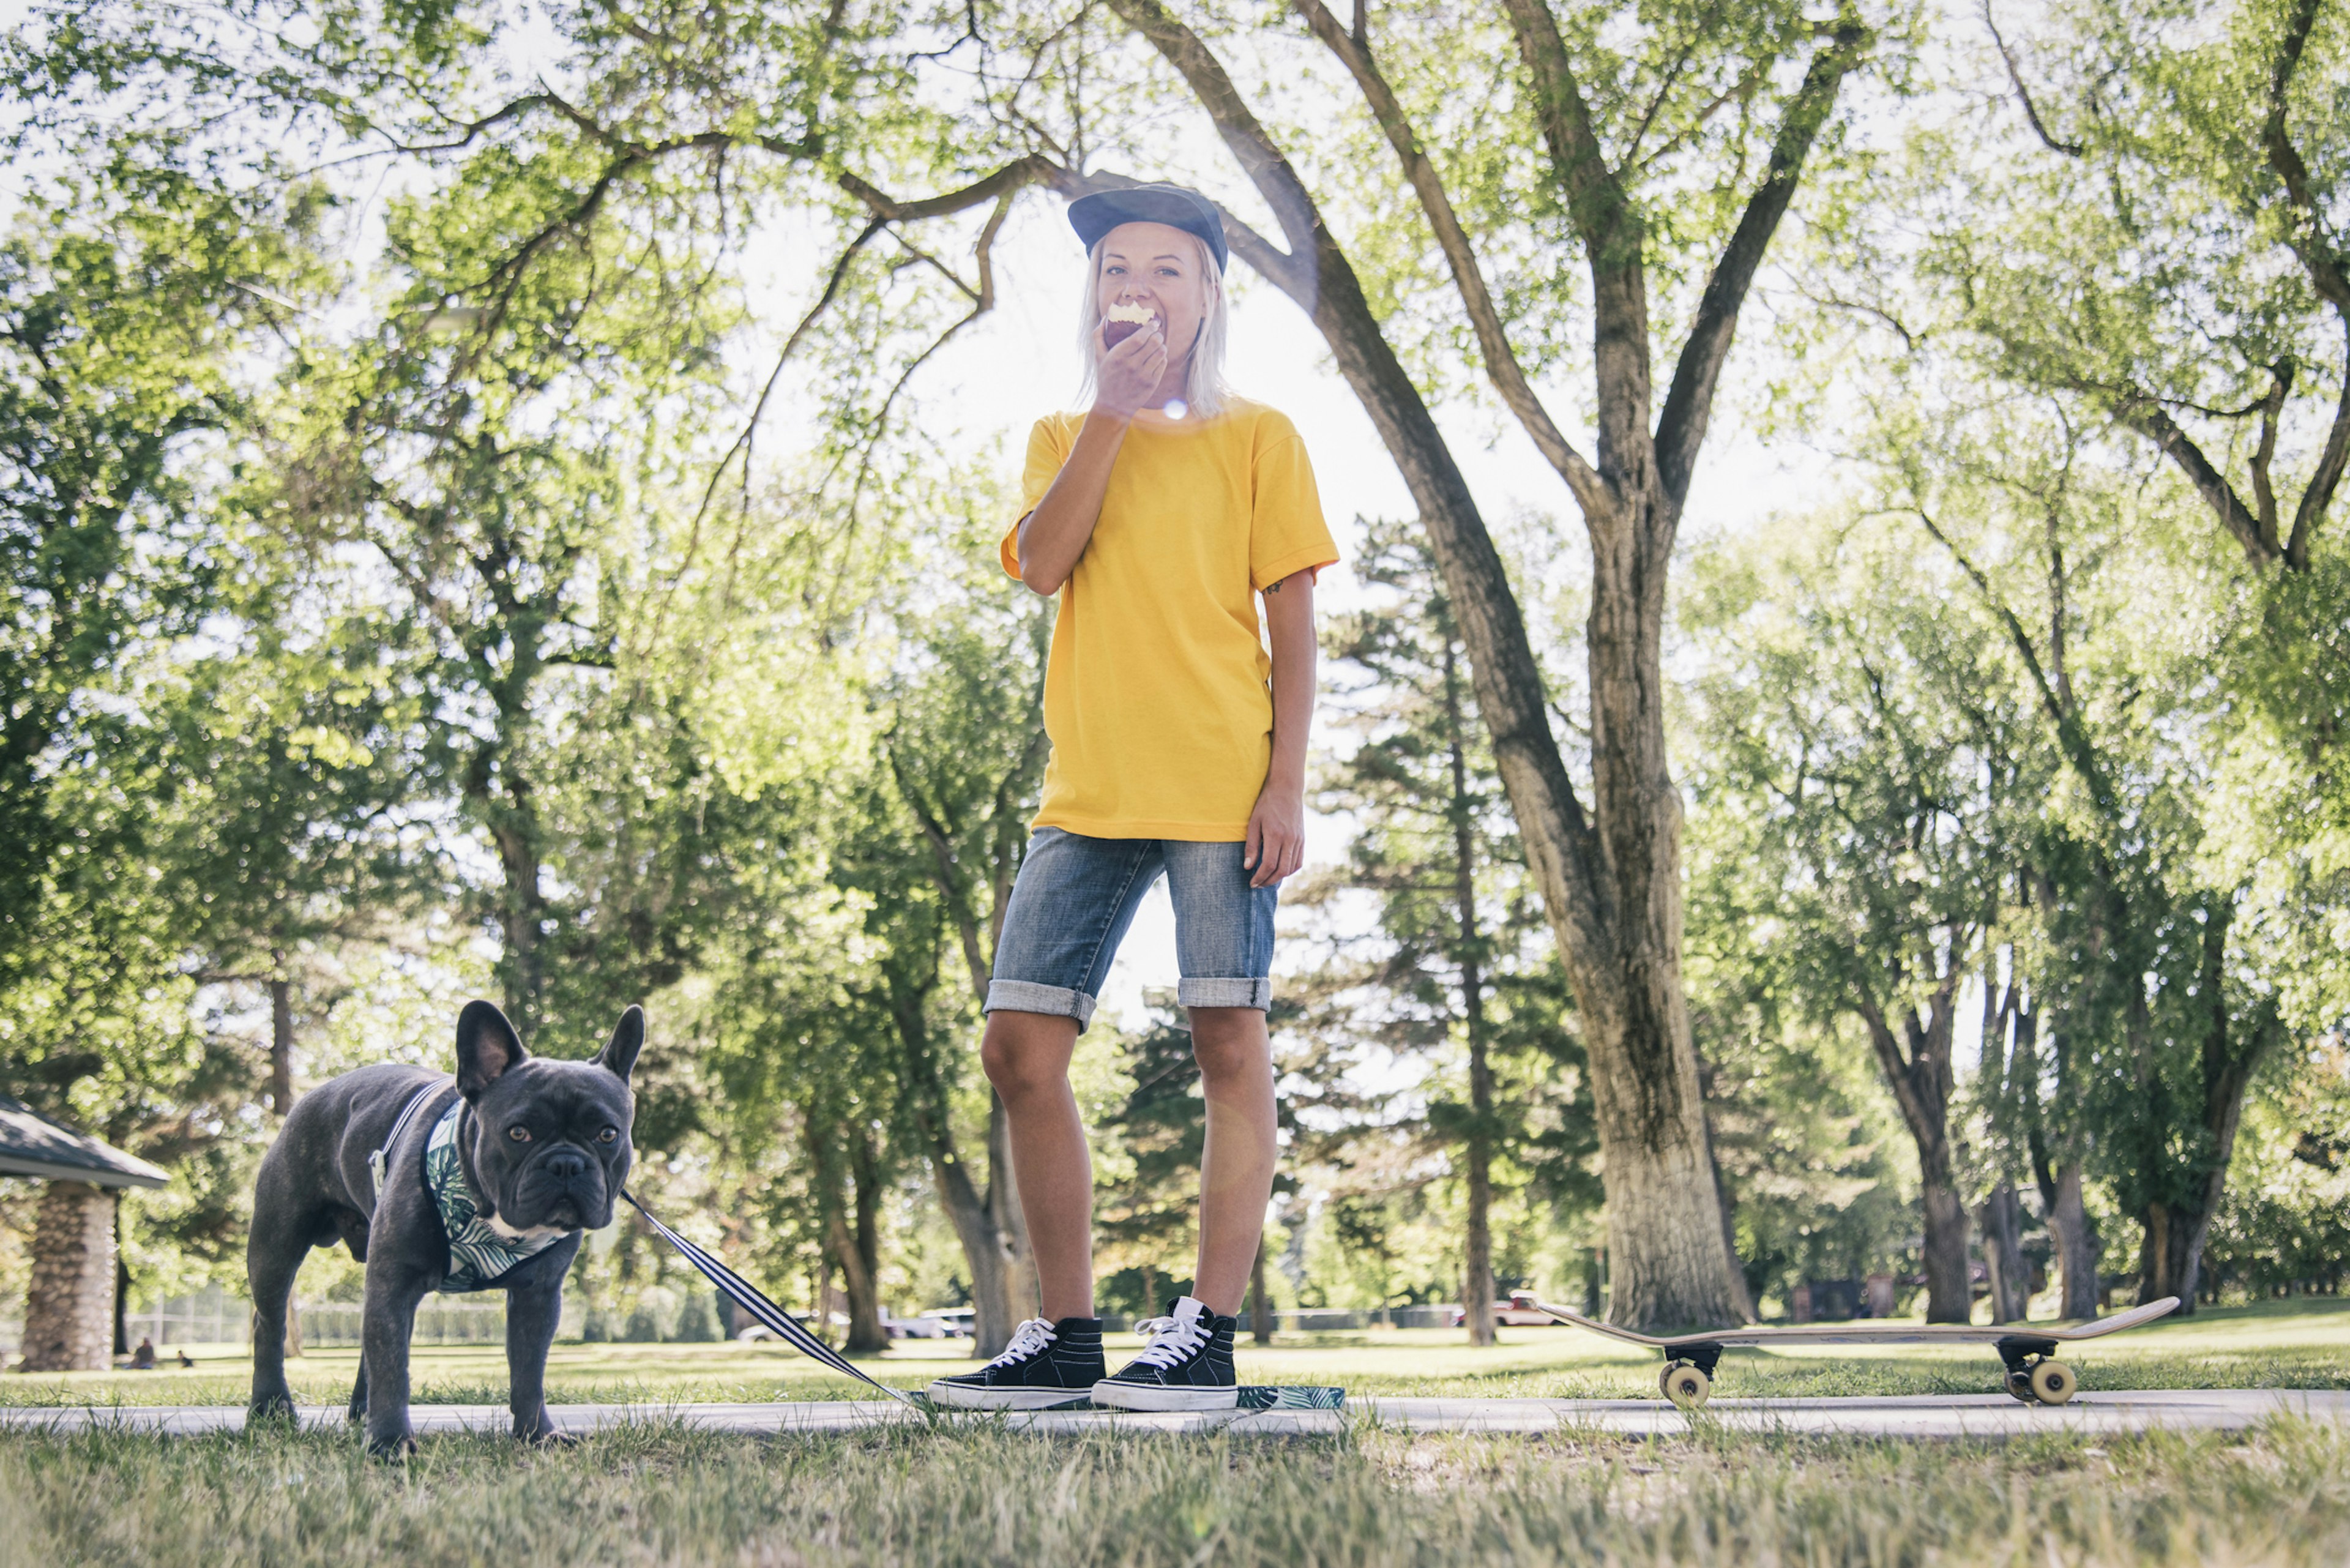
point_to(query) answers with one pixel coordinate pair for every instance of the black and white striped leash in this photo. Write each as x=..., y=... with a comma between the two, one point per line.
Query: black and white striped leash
x=747, y=1296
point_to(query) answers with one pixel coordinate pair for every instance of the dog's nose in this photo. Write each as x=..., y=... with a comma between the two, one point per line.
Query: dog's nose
x=567, y=1165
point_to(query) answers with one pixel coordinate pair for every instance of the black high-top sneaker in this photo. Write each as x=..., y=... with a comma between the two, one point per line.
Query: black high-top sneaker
x=1188, y=1366
x=1046, y=1364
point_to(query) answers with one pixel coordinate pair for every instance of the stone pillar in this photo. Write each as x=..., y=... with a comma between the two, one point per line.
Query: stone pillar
x=69, y=1316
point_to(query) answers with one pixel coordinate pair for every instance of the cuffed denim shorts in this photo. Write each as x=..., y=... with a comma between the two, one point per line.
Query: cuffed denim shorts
x=1075, y=895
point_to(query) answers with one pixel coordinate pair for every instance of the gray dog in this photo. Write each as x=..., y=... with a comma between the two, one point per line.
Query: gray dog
x=483, y=1183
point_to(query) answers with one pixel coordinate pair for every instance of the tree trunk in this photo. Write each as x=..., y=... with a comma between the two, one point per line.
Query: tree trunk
x=1921, y=1079
x=1021, y=1297
x=857, y=1251
x=2002, y=1252
x=986, y=1224
x=1477, y=1242
x=861, y=1284
x=1477, y=1248
x=281, y=1040
x=2078, y=1247
x=1948, y=1298
x=70, y=1313
x=2171, y=1258
x=121, y=1289
x=1260, y=1304
x=522, y=909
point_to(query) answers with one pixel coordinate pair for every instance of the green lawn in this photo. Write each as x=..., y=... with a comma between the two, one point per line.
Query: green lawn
x=2301, y=1344
x=974, y=1493
x=979, y=1495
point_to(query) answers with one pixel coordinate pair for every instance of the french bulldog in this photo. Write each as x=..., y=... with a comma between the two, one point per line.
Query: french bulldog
x=486, y=1182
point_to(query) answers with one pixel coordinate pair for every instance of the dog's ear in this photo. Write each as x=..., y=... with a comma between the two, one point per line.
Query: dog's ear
x=620, y=1052
x=487, y=1048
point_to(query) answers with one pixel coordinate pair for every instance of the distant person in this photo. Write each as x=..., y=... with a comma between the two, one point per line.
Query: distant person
x=1160, y=518
x=143, y=1358
x=186, y=1360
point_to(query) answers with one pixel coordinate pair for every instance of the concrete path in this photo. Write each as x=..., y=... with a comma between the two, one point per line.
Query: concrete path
x=1954, y=1416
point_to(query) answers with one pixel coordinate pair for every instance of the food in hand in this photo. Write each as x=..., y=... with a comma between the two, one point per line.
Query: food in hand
x=1122, y=321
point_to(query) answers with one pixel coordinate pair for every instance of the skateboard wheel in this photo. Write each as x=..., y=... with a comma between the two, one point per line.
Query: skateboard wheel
x=1686, y=1385
x=2052, y=1382
x=2019, y=1385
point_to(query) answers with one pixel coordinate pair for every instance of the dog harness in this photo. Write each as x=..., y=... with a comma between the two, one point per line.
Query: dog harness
x=479, y=1255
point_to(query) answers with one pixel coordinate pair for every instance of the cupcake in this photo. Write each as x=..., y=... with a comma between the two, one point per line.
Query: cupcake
x=1122, y=321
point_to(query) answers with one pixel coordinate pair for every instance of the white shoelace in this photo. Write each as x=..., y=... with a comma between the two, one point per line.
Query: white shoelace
x=1027, y=1340
x=1171, y=1339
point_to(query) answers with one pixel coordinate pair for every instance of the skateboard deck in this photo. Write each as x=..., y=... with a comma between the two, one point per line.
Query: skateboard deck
x=1251, y=1397
x=2033, y=1372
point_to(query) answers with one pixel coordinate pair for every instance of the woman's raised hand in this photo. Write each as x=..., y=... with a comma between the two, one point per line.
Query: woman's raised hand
x=1129, y=373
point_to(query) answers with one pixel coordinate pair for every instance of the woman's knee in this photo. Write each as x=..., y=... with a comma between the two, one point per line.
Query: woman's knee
x=1023, y=1053
x=1229, y=1042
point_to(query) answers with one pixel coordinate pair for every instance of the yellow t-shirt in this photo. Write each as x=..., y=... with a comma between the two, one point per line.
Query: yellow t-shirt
x=1155, y=694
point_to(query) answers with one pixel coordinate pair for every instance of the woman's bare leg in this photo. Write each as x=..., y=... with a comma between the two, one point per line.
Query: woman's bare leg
x=1026, y=1056
x=1236, y=1164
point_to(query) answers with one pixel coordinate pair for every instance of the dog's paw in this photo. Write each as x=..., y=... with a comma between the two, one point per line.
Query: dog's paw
x=397, y=1446
x=550, y=1438
x=269, y=1408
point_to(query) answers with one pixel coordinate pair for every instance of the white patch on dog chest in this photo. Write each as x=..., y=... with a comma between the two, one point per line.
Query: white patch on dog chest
x=530, y=1236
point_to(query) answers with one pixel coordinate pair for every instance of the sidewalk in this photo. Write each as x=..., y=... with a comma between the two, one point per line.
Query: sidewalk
x=1955, y=1416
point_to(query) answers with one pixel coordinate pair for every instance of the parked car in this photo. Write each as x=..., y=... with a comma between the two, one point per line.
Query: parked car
x=961, y=1323
x=915, y=1328
x=1518, y=1311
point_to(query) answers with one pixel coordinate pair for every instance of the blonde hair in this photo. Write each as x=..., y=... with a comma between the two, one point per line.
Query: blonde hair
x=1204, y=391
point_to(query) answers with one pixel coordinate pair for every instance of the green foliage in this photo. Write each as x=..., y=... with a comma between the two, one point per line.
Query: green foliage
x=1457, y=983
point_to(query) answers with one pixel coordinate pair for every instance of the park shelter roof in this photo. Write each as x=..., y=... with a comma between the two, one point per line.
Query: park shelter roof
x=32, y=1144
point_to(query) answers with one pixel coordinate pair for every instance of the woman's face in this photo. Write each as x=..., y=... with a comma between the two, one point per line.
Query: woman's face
x=1156, y=266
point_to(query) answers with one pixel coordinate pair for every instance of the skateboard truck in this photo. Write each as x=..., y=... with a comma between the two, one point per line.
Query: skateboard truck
x=1688, y=1378
x=2034, y=1374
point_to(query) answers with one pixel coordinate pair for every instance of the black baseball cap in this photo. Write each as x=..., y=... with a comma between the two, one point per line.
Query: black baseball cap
x=1178, y=206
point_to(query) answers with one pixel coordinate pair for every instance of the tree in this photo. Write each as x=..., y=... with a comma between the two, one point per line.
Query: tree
x=1433, y=845
x=940, y=819
x=2204, y=142
x=1870, y=746
x=1600, y=125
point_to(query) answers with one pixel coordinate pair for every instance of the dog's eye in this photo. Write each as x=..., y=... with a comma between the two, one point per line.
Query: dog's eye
x=520, y=1134
x=609, y=1135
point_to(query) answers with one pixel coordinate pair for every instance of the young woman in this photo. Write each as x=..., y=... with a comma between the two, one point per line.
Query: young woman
x=1158, y=516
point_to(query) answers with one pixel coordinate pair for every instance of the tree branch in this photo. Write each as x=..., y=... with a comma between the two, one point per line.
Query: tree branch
x=1688, y=407
x=2073, y=741
x=2023, y=94
x=2319, y=492
x=2310, y=240
x=1594, y=197
x=1493, y=342
x=1318, y=276
x=2150, y=420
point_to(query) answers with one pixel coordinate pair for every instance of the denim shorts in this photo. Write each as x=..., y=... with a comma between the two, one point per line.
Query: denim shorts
x=1075, y=895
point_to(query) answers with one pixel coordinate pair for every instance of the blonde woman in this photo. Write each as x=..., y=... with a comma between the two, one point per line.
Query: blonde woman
x=1161, y=516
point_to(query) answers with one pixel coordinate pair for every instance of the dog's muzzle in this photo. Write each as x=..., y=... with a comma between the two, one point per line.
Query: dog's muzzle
x=563, y=1186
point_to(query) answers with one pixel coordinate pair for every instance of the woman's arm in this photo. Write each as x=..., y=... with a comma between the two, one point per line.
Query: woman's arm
x=1054, y=536
x=1276, y=829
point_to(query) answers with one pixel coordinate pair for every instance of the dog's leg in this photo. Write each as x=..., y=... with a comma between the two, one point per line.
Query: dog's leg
x=533, y=1311
x=359, y=1392
x=280, y=1237
x=387, y=1319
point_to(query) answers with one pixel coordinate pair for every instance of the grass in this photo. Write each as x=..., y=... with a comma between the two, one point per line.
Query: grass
x=2301, y=1344
x=657, y=1493
x=979, y=1495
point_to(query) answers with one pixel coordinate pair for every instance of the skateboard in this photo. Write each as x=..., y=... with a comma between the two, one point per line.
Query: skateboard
x=2034, y=1374
x=1249, y=1396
